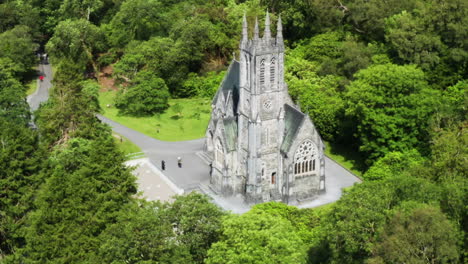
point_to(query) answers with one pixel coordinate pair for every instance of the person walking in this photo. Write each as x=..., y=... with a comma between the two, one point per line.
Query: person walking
x=163, y=165
x=41, y=77
x=179, y=162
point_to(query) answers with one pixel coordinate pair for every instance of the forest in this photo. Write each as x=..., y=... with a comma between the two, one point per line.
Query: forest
x=385, y=79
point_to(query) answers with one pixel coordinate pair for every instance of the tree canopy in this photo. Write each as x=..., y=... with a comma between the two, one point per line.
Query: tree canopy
x=387, y=79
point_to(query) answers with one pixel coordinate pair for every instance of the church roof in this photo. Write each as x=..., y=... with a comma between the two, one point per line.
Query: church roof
x=230, y=85
x=230, y=132
x=292, y=121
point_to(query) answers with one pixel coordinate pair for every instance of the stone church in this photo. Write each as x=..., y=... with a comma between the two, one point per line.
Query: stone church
x=261, y=145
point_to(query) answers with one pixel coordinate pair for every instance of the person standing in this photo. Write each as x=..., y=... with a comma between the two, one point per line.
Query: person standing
x=179, y=162
x=163, y=165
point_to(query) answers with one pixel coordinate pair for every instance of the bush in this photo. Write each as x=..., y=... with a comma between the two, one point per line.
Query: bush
x=146, y=96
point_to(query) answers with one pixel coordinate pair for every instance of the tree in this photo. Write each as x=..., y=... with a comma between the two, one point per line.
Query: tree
x=197, y=222
x=394, y=164
x=303, y=220
x=203, y=86
x=69, y=112
x=90, y=91
x=453, y=107
x=160, y=56
x=447, y=167
x=78, y=41
x=419, y=235
x=142, y=233
x=391, y=105
x=355, y=223
x=412, y=40
x=21, y=13
x=87, y=185
x=13, y=106
x=257, y=238
x=136, y=20
x=21, y=160
x=154, y=55
x=79, y=9
x=147, y=95
x=18, y=46
x=317, y=95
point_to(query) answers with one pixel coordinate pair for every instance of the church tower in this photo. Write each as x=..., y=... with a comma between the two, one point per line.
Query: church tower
x=262, y=93
x=260, y=143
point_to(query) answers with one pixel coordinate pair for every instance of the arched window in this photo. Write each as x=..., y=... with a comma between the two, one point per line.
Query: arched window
x=273, y=178
x=219, y=153
x=304, y=158
x=272, y=70
x=262, y=72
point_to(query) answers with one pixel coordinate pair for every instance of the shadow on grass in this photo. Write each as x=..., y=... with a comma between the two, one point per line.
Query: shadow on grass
x=29, y=80
x=31, y=75
x=347, y=156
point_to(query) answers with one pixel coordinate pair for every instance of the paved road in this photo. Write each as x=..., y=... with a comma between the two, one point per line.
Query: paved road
x=42, y=92
x=194, y=171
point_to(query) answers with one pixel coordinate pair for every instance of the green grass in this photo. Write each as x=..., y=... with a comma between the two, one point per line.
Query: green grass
x=32, y=86
x=346, y=157
x=168, y=126
x=125, y=145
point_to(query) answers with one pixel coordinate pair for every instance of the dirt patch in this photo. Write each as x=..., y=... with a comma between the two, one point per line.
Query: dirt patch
x=105, y=79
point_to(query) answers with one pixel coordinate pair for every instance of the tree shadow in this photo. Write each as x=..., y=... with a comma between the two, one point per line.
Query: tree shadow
x=319, y=254
x=349, y=153
x=32, y=74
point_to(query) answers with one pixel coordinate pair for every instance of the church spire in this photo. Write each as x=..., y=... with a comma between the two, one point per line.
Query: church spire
x=256, y=29
x=267, y=34
x=244, y=30
x=279, y=32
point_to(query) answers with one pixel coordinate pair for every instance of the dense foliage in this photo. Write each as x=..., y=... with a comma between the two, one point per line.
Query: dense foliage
x=387, y=79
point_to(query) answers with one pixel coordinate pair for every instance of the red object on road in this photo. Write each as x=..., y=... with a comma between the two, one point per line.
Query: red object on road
x=41, y=78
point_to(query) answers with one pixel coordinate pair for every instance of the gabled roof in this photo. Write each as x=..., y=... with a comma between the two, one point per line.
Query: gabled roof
x=230, y=85
x=293, y=119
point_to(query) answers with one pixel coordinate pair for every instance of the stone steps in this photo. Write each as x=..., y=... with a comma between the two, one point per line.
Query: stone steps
x=205, y=157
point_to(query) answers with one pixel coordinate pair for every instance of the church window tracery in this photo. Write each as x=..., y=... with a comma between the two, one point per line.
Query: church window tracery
x=262, y=72
x=304, y=158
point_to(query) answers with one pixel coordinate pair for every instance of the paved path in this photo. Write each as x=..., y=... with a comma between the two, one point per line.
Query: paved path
x=194, y=171
x=153, y=184
x=42, y=92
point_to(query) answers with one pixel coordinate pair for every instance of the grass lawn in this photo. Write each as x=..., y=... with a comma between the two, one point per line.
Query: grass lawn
x=346, y=157
x=125, y=145
x=32, y=86
x=195, y=114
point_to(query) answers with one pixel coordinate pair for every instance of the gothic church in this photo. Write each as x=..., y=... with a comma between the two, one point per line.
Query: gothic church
x=262, y=146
